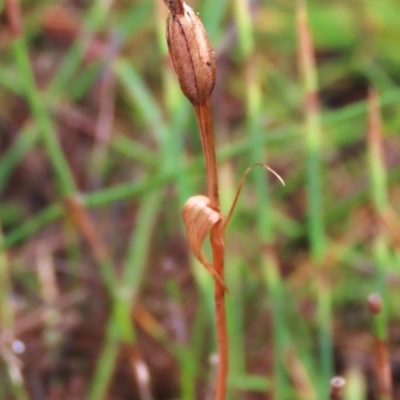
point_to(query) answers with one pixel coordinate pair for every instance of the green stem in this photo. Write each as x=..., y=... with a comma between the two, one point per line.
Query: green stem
x=265, y=230
x=314, y=194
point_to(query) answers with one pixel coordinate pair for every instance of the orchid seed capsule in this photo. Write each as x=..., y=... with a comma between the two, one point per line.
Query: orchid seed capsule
x=191, y=52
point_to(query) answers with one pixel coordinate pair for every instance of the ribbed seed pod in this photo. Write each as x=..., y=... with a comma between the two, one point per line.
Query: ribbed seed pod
x=191, y=52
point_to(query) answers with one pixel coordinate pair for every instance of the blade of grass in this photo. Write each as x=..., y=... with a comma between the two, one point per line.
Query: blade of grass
x=252, y=383
x=142, y=98
x=13, y=366
x=269, y=264
x=376, y=157
x=21, y=146
x=135, y=262
x=127, y=292
x=212, y=14
x=184, y=354
x=239, y=147
x=317, y=239
x=36, y=103
x=121, y=315
x=9, y=80
x=379, y=192
x=105, y=364
x=67, y=184
x=377, y=302
x=92, y=21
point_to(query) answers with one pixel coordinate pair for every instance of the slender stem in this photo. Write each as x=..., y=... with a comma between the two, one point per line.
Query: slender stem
x=218, y=249
x=203, y=114
x=316, y=228
x=383, y=374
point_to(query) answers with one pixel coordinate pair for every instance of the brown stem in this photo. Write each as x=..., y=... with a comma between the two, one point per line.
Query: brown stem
x=382, y=369
x=218, y=248
x=203, y=114
x=14, y=17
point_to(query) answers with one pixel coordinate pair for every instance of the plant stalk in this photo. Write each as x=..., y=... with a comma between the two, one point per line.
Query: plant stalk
x=203, y=115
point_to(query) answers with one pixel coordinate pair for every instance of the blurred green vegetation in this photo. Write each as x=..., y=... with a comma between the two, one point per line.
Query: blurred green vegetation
x=108, y=302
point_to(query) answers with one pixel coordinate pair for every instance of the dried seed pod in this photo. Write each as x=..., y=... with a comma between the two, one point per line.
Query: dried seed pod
x=191, y=52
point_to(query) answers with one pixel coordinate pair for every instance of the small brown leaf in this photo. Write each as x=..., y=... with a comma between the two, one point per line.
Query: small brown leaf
x=199, y=219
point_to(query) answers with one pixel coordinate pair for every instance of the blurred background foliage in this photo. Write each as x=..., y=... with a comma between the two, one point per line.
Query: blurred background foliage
x=100, y=298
